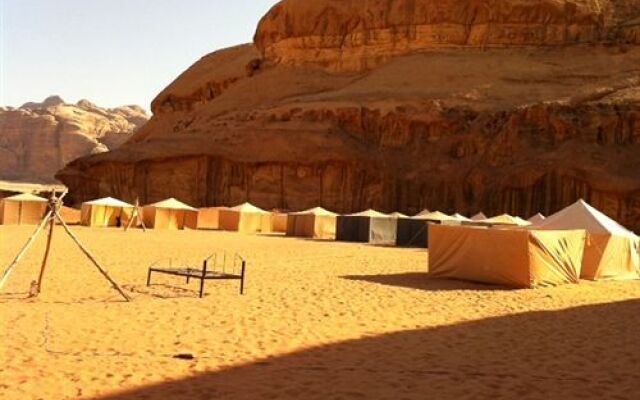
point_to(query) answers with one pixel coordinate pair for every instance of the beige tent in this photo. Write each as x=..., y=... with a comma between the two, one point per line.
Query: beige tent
x=276, y=222
x=245, y=218
x=479, y=217
x=71, y=216
x=507, y=220
x=611, y=251
x=537, y=219
x=105, y=212
x=315, y=223
x=435, y=216
x=209, y=218
x=461, y=218
x=517, y=258
x=170, y=214
x=22, y=209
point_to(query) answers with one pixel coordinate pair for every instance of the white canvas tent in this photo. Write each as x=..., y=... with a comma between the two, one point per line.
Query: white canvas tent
x=170, y=214
x=479, y=217
x=22, y=209
x=313, y=223
x=506, y=220
x=611, y=251
x=105, y=212
x=245, y=218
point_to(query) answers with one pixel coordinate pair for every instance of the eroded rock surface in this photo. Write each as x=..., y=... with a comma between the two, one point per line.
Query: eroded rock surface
x=510, y=129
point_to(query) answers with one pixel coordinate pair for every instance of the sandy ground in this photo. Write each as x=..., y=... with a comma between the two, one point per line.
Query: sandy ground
x=319, y=320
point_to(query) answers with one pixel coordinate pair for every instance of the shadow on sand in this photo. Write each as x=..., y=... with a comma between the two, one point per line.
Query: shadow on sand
x=420, y=280
x=589, y=352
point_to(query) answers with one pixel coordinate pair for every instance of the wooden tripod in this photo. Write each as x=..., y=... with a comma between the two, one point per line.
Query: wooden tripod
x=136, y=214
x=50, y=218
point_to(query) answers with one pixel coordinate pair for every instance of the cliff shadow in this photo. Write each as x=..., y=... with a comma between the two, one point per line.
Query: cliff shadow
x=588, y=352
x=421, y=281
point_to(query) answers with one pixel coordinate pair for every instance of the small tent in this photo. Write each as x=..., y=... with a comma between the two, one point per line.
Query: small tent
x=367, y=227
x=506, y=220
x=536, y=219
x=209, y=218
x=479, y=217
x=245, y=218
x=22, y=209
x=71, y=216
x=105, y=212
x=315, y=223
x=414, y=231
x=518, y=258
x=461, y=218
x=611, y=251
x=170, y=214
x=275, y=222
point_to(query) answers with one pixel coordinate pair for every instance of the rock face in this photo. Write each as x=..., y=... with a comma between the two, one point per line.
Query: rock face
x=298, y=120
x=38, y=139
x=352, y=35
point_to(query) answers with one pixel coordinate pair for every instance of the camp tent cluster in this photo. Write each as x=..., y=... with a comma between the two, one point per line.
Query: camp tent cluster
x=578, y=242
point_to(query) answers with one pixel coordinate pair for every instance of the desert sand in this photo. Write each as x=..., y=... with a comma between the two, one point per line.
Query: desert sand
x=319, y=320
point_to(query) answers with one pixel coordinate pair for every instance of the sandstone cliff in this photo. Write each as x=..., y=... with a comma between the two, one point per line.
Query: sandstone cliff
x=38, y=139
x=396, y=122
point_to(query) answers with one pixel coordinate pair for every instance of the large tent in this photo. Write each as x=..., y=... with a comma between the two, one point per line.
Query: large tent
x=170, y=214
x=517, y=258
x=245, y=218
x=414, y=231
x=315, y=223
x=367, y=227
x=611, y=251
x=275, y=222
x=105, y=212
x=22, y=209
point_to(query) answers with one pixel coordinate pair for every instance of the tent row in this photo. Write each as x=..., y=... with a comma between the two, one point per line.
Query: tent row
x=578, y=242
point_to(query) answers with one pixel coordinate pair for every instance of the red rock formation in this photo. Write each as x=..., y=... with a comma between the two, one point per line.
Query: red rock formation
x=512, y=129
x=38, y=139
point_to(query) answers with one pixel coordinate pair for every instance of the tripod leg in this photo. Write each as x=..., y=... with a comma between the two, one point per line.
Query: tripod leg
x=52, y=222
x=26, y=247
x=90, y=257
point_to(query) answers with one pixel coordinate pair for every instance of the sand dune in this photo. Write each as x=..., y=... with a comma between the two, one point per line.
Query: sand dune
x=319, y=320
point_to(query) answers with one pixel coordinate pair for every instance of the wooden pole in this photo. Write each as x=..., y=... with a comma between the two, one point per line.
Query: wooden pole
x=52, y=222
x=90, y=257
x=26, y=247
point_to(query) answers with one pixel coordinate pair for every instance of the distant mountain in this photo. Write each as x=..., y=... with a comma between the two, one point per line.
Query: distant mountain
x=38, y=139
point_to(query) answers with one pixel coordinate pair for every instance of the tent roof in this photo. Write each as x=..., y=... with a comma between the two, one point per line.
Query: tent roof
x=370, y=213
x=581, y=215
x=172, y=204
x=249, y=208
x=536, y=219
x=460, y=217
x=109, y=202
x=317, y=211
x=434, y=216
x=398, y=215
x=26, y=197
x=506, y=219
x=479, y=217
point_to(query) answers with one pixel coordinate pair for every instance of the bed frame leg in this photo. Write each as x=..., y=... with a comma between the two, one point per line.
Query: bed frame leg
x=202, y=278
x=242, y=278
x=149, y=278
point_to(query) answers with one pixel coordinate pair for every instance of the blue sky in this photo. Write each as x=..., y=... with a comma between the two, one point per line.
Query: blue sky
x=112, y=52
